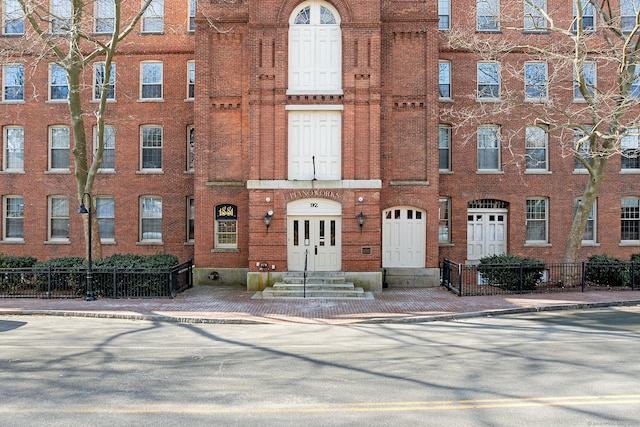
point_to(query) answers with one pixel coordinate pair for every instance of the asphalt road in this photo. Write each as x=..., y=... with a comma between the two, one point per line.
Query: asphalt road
x=574, y=368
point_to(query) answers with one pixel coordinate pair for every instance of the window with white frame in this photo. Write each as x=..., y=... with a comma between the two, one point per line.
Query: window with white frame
x=61, y=11
x=584, y=76
x=151, y=80
x=582, y=150
x=153, y=17
x=151, y=147
x=634, y=89
x=105, y=16
x=535, y=81
x=191, y=219
x=536, y=220
x=12, y=17
x=13, y=138
x=629, y=10
x=488, y=15
x=630, y=144
x=191, y=132
x=58, y=83
x=151, y=218
x=488, y=148
x=488, y=80
x=109, y=152
x=534, y=11
x=630, y=219
x=444, y=79
x=59, y=148
x=584, y=18
x=444, y=148
x=58, y=218
x=226, y=232
x=315, y=49
x=13, y=82
x=444, y=220
x=191, y=79
x=590, y=228
x=13, y=218
x=536, y=143
x=105, y=214
x=192, y=14
x=444, y=15
x=99, y=81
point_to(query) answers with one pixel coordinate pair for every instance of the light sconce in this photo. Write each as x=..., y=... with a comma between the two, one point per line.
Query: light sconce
x=267, y=219
x=361, y=219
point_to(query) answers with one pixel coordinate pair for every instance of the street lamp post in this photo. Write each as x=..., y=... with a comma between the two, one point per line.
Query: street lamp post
x=84, y=210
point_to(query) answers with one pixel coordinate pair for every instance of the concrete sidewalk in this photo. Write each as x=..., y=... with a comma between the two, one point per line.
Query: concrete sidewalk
x=233, y=304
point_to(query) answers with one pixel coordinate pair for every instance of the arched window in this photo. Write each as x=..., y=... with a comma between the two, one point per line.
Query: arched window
x=315, y=49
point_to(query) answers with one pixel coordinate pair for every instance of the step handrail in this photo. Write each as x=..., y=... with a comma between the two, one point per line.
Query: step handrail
x=304, y=274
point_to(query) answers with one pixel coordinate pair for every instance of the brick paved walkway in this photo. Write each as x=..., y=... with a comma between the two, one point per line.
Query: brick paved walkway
x=233, y=304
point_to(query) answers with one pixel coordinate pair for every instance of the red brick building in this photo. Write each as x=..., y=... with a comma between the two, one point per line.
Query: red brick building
x=264, y=136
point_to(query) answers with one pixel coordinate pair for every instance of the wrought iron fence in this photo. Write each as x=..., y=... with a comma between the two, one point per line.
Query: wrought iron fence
x=500, y=279
x=112, y=283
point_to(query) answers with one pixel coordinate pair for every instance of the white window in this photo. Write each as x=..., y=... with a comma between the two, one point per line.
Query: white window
x=105, y=16
x=13, y=137
x=536, y=141
x=444, y=148
x=582, y=150
x=536, y=222
x=630, y=144
x=589, y=236
x=488, y=15
x=315, y=49
x=60, y=16
x=634, y=90
x=13, y=79
x=191, y=132
x=444, y=79
x=534, y=11
x=59, y=148
x=99, y=81
x=488, y=80
x=109, y=152
x=59, y=85
x=151, y=147
x=630, y=219
x=151, y=218
x=488, y=148
x=191, y=79
x=12, y=17
x=105, y=213
x=58, y=218
x=191, y=218
x=13, y=218
x=584, y=76
x=151, y=80
x=192, y=14
x=153, y=17
x=444, y=220
x=444, y=15
x=629, y=10
x=584, y=18
x=535, y=81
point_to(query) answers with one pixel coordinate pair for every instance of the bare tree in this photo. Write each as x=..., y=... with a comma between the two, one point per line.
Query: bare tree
x=63, y=32
x=590, y=121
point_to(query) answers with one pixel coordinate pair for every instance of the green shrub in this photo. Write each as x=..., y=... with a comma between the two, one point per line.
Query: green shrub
x=511, y=272
x=604, y=270
x=9, y=261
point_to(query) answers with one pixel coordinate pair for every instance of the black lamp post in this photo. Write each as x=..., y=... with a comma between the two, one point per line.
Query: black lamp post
x=84, y=210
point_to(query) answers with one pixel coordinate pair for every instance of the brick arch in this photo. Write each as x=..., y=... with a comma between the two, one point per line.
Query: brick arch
x=286, y=9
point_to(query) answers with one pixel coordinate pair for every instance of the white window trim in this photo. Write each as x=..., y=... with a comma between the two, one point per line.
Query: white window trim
x=190, y=167
x=5, y=148
x=545, y=169
x=149, y=15
x=498, y=149
x=50, y=219
x=103, y=169
x=189, y=64
x=478, y=92
x=95, y=81
x=5, y=20
x=448, y=169
x=580, y=98
x=192, y=7
x=50, y=164
x=141, y=145
x=546, y=82
x=190, y=217
x=5, y=200
x=108, y=240
x=159, y=99
x=446, y=98
x=441, y=12
x=546, y=222
x=140, y=226
x=4, y=83
x=594, y=211
x=496, y=17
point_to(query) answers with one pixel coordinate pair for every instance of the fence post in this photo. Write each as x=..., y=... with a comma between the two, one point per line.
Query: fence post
x=633, y=275
x=521, y=276
x=459, y=280
x=583, y=278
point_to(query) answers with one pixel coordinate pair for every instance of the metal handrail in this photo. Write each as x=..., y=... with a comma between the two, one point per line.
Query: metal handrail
x=304, y=274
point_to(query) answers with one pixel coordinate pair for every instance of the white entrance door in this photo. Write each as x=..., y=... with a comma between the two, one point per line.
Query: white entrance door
x=316, y=240
x=486, y=233
x=404, y=233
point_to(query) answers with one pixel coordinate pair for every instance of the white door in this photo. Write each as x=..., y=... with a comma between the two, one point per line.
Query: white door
x=404, y=233
x=486, y=233
x=315, y=145
x=314, y=241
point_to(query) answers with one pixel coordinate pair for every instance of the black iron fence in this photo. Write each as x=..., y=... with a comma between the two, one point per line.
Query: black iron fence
x=113, y=283
x=487, y=279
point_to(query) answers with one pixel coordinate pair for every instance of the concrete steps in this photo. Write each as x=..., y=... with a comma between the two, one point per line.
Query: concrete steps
x=326, y=285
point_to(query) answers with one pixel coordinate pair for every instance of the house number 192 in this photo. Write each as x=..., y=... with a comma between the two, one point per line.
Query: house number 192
x=313, y=205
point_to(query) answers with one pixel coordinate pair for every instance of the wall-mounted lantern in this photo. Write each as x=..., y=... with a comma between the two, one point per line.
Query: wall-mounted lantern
x=267, y=219
x=361, y=219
